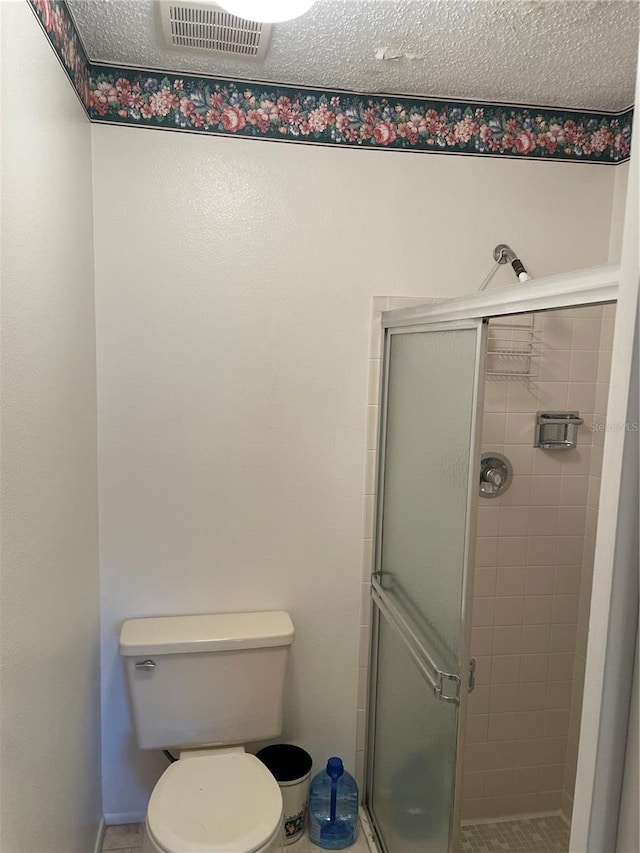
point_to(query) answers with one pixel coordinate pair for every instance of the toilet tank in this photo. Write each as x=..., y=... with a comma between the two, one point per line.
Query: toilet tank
x=206, y=680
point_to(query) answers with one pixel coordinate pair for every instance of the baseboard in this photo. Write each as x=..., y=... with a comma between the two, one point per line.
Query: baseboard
x=119, y=818
x=100, y=836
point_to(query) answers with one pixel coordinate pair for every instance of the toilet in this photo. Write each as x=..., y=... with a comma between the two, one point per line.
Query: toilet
x=201, y=687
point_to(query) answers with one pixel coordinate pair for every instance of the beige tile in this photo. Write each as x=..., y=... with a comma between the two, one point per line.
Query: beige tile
x=520, y=428
x=550, y=801
x=536, y=638
x=526, y=780
x=554, y=750
x=570, y=549
x=533, y=667
x=552, y=396
x=529, y=752
x=572, y=520
x=582, y=637
x=559, y=694
x=563, y=638
x=532, y=696
x=495, y=396
x=510, y=580
x=486, y=551
x=482, y=612
x=375, y=367
x=577, y=462
x=586, y=334
x=505, y=669
x=521, y=458
x=554, y=364
x=552, y=777
x=557, y=331
x=475, y=756
x=500, y=755
x=543, y=521
x=514, y=521
x=508, y=610
x=498, y=782
x=546, y=463
x=126, y=835
x=507, y=639
x=488, y=520
x=503, y=697
x=567, y=580
x=502, y=726
x=530, y=724
x=584, y=366
x=565, y=609
x=539, y=580
x=482, y=641
x=556, y=723
x=473, y=783
x=541, y=550
x=479, y=699
x=512, y=551
x=476, y=729
x=493, y=427
x=519, y=494
x=561, y=666
x=483, y=669
x=574, y=491
x=537, y=609
x=484, y=581
x=545, y=491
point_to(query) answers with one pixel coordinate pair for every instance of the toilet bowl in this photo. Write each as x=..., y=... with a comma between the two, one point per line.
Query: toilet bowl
x=215, y=803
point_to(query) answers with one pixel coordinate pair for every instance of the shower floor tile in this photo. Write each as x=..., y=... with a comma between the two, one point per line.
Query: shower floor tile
x=521, y=835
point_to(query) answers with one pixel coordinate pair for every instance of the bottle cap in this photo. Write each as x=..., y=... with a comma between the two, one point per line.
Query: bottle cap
x=335, y=767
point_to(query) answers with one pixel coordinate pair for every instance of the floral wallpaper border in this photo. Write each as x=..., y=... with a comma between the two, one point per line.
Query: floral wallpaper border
x=286, y=114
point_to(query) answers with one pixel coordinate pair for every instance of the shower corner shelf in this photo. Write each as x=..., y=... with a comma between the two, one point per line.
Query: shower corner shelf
x=511, y=351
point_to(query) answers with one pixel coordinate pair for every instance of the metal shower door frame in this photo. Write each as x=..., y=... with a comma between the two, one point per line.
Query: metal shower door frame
x=610, y=625
x=433, y=675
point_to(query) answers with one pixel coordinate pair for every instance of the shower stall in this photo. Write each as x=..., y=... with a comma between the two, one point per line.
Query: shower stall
x=482, y=571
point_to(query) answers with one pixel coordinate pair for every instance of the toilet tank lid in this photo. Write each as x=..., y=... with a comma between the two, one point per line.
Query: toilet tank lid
x=206, y=632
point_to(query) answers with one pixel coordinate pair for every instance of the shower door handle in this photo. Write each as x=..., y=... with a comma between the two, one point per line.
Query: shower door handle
x=472, y=674
x=437, y=677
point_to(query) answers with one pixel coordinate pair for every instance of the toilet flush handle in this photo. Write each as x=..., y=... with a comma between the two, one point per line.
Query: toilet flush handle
x=147, y=665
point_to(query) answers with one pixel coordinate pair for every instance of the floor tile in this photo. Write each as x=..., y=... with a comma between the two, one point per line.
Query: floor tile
x=524, y=835
x=125, y=837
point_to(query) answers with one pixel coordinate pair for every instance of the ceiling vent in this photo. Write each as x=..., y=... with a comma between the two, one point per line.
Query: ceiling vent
x=207, y=27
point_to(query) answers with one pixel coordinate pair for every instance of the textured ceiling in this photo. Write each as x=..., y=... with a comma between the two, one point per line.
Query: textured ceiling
x=569, y=53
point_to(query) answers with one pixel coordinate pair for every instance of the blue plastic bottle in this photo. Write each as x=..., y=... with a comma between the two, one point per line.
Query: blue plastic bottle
x=333, y=807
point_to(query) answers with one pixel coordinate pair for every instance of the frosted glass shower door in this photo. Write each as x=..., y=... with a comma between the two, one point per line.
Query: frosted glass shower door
x=428, y=480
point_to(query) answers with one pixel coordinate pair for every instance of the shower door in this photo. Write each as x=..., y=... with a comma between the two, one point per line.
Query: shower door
x=420, y=669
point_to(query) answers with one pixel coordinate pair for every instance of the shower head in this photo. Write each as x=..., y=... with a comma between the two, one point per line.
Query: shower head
x=503, y=254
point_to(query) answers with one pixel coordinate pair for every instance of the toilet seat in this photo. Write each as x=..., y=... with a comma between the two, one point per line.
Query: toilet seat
x=226, y=803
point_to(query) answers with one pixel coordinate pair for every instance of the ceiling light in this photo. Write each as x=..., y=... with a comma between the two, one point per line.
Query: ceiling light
x=266, y=11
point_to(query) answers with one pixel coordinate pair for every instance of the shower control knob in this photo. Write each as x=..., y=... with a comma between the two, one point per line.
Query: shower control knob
x=496, y=474
x=493, y=476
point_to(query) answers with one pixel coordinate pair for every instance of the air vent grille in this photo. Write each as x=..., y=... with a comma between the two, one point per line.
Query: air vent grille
x=208, y=27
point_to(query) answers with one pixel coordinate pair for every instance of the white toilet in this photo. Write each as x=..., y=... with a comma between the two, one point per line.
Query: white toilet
x=203, y=686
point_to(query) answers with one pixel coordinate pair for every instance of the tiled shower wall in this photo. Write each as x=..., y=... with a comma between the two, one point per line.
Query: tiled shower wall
x=534, y=561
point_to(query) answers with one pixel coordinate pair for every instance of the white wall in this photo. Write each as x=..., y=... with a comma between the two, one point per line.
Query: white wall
x=233, y=283
x=49, y=622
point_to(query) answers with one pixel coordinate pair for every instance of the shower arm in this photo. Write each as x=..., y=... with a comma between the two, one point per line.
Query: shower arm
x=503, y=254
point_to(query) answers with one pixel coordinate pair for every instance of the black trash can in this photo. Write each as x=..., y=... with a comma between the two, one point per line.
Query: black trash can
x=291, y=767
